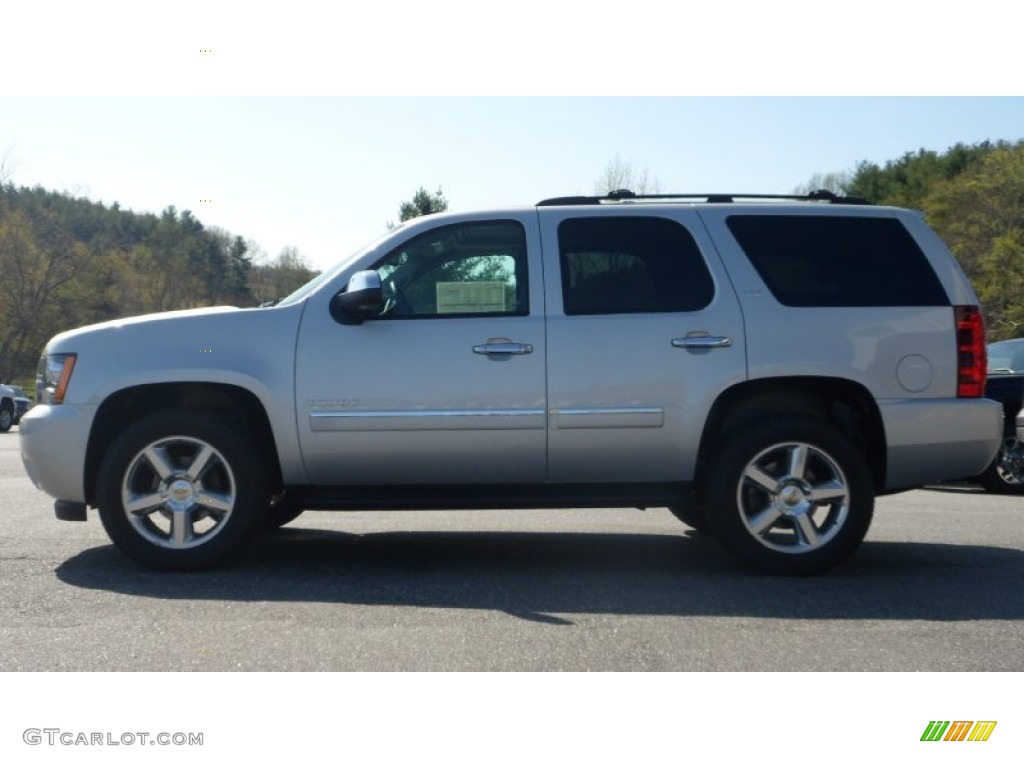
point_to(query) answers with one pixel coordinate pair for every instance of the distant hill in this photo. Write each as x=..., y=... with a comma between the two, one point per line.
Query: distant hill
x=67, y=261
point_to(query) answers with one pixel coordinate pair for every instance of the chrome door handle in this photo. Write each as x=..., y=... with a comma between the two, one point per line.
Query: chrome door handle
x=702, y=342
x=503, y=348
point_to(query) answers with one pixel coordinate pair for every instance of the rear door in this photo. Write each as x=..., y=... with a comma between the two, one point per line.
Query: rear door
x=644, y=332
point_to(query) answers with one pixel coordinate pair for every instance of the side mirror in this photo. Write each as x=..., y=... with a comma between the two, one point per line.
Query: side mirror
x=363, y=294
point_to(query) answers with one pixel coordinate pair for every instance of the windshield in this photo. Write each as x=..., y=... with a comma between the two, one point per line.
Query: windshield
x=329, y=274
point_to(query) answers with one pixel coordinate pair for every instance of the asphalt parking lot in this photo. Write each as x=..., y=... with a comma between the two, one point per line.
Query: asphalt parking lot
x=936, y=587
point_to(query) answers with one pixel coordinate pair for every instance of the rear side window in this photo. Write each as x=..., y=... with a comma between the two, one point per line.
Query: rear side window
x=626, y=264
x=838, y=261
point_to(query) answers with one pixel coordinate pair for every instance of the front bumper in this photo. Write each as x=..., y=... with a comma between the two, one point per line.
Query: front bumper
x=53, y=441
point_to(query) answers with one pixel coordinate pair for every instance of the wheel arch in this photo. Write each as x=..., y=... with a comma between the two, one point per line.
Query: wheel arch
x=128, y=405
x=845, y=404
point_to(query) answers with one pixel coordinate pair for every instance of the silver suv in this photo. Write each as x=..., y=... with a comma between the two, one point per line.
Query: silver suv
x=762, y=367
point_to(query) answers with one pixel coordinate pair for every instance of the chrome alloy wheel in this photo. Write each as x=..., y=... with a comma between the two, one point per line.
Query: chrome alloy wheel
x=1010, y=462
x=793, y=497
x=178, y=492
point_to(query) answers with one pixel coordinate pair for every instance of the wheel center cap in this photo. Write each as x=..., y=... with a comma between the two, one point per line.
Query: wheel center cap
x=791, y=499
x=180, y=491
x=792, y=495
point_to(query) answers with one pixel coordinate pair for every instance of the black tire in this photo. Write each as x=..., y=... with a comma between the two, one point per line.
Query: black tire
x=197, y=485
x=6, y=418
x=1006, y=472
x=692, y=516
x=281, y=512
x=793, y=496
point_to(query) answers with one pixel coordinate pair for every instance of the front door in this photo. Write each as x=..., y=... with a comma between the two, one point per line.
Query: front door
x=445, y=385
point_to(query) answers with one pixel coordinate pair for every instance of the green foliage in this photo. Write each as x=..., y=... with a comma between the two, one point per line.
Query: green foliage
x=422, y=203
x=907, y=181
x=66, y=262
x=980, y=215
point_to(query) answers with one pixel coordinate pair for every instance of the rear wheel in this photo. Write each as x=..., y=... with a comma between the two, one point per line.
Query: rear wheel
x=181, y=490
x=793, y=496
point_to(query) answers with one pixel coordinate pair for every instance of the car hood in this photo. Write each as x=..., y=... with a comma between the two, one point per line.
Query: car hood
x=154, y=321
x=250, y=348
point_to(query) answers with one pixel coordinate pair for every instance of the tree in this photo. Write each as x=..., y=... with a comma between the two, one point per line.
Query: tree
x=422, y=204
x=38, y=262
x=231, y=284
x=67, y=261
x=836, y=182
x=6, y=167
x=620, y=174
x=273, y=280
x=980, y=215
x=907, y=181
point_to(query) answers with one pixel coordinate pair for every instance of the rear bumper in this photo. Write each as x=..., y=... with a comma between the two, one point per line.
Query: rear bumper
x=53, y=441
x=934, y=440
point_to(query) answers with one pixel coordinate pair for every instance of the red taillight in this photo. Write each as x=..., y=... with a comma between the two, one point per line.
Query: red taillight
x=971, y=358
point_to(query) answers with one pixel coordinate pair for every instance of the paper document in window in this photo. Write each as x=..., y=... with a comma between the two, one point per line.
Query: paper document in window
x=484, y=296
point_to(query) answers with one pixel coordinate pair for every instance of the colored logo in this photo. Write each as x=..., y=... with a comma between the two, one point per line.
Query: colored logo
x=959, y=730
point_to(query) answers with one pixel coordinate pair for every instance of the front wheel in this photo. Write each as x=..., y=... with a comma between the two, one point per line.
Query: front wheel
x=181, y=490
x=6, y=418
x=791, y=497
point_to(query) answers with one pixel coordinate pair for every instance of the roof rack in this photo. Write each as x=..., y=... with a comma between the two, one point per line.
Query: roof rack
x=625, y=195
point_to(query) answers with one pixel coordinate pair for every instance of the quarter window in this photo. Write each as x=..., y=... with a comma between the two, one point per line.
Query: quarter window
x=631, y=264
x=838, y=261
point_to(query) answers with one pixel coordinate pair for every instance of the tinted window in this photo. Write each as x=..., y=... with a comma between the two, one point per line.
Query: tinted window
x=478, y=268
x=631, y=264
x=838, y=261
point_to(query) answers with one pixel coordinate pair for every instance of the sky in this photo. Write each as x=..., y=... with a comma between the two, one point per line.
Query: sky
x=307, y=126
x=326, y=174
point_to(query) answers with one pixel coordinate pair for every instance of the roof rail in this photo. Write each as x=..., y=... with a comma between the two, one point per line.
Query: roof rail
x=624, y=195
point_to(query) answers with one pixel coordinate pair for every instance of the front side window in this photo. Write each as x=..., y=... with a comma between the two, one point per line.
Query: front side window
x=631, y=264
x=476, y=268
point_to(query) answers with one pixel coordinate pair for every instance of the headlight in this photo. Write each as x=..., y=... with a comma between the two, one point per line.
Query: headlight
x=52, y=377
